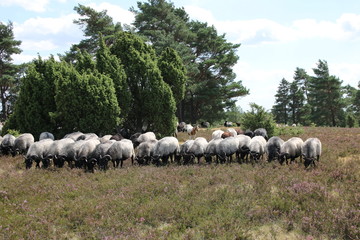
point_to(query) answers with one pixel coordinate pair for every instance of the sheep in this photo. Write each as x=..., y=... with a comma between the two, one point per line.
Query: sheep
x=165, y=148
x=120, y=151
x=117, y=137
x=210, y=150
x=87, y=136
x=45, y=135
x=100, y=154
x=228, y=124
x=22, y=144
x=311, y=151
x=84, y=153
x=244, y=142
x=7, y=144
x=55, y=150
x=261, y=132
x=145, y=151
x=249, y=133
x=232, y=131
x=197, y=149
x=205, y=124
x=105, y=138
x=217, y=134
x=182, y=153
x=148, y=136
x=181, y=127
x=290, y=149
x=226, y=135
x=70, y=151
x=191, y=131
x=273, y=147
x=74, y=136
x=226, y=148
x=36, y=153
x=257, y=148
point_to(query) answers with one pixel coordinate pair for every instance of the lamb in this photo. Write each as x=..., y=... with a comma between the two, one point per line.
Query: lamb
x=273, y=147
x=261, y=132
x=165, y=148
x=197, y=149
x=217, y=134
x=36, y=153
x=55, y=150
x=311, y=151
x=45, y=135
x=210, y=150
x=120, y=151
x=290, y=149
x=243, y=152
x=191, y=131
x=145, y=151
x=226, y=148
x=22, y=144
x=183, y=149
x=7, y=144
x=257, y=148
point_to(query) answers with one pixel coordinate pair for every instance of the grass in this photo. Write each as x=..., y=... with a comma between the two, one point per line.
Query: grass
x=230, y=201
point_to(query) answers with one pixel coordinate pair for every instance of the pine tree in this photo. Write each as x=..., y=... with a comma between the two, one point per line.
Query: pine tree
x=296, y=102
x=152, y=105
x=8, y=47
x=280, y=109
x=325, y=97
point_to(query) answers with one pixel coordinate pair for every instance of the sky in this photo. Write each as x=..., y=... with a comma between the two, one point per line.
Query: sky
x=276, y=36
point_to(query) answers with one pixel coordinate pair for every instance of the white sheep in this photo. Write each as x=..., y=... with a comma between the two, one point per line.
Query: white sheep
x=257, y=147
x=36, y=153
x=197, y=149
x=217, y=134
x=22, y=144
x=165, y=148
x=120, y=151
x=210, y=150
x=290, y=149
x=311, y=151
x=145, y=151
x=226, y=148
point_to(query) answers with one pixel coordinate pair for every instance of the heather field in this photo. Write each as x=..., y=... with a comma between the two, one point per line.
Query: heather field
x=229, y=201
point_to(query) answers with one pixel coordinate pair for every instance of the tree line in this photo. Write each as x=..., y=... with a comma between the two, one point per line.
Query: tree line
x=320, y=99
x=164, y=66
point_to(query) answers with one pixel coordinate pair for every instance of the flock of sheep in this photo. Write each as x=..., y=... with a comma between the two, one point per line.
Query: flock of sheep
x=89, y=151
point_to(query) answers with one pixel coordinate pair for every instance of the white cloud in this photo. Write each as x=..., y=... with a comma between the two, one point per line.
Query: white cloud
x=43, y=45
x=117, y=13
x=23, y=58
x=262, y=31
x=32, y=5
x=348, y=72
x=46, y=26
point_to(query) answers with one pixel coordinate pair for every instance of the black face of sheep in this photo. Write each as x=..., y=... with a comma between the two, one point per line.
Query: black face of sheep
x=90, y=165
x=28, y=162
x=208, y=158
x=308, y=161
x=282, y=158
x=45, y=163
x=104, y=163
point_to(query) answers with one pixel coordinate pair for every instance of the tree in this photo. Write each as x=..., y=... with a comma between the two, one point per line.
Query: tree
x=208, y=57
x=301, y=78
x=173, y=72
x=296, y=102
x=152, y=104
x=8, y=47
x=85, y=102
x=325, y=97
x=36, y=98
x=94, y=25
x=280, y=109
x=109, y=64
x=257, y=117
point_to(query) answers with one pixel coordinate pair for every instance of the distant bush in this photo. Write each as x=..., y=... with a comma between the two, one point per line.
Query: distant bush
x=287, y=130
x=257, y=117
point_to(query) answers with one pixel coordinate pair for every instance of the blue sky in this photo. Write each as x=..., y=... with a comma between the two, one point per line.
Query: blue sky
x=276, y=36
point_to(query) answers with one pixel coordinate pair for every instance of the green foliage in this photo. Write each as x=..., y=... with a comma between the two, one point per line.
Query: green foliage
x=36, y=98
x=8, y=47
x=280, y=109
x=85, y=102
x=109, y=64
x=257, y=117
x=173, y=72
x=152, y=104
